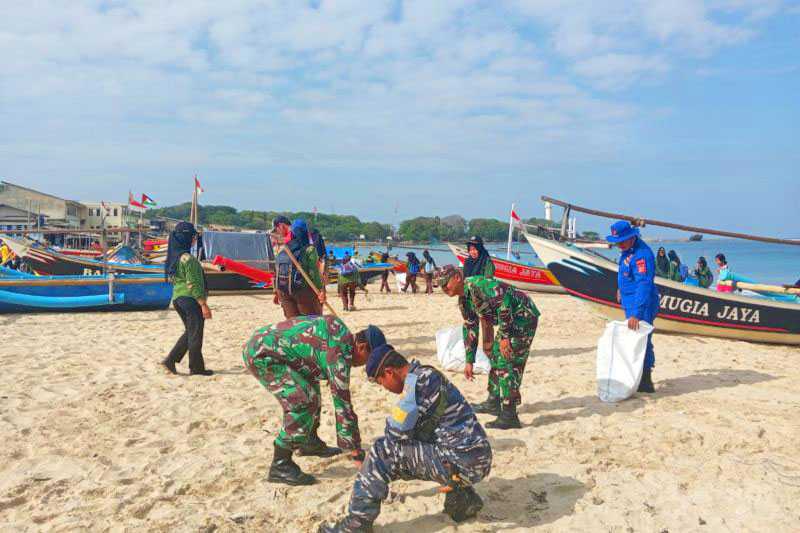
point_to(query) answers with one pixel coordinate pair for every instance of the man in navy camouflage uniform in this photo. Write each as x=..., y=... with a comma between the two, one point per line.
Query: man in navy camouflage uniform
x=432, y=434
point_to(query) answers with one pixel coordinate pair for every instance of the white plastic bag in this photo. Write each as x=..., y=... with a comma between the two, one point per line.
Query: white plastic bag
x=453, y=356
x=400, y=279
x=620, y=358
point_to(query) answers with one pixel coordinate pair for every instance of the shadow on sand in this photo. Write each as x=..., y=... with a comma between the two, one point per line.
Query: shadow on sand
x=591, y=405
x=522, y=502
x=562, y=352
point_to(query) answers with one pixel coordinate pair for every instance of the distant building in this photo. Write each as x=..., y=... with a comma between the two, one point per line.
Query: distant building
x=117, y=215
x=60, y=213
x=13, y=219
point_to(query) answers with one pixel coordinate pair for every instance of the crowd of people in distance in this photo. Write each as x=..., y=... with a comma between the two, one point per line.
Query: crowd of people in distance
x=669, y=266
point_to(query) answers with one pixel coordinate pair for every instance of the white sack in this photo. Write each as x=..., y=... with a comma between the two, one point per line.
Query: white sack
x=400, y=279
x=453, y=356
x=620, y=358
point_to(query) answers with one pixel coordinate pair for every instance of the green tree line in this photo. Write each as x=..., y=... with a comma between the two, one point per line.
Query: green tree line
x=332, y=227
x=347, y=227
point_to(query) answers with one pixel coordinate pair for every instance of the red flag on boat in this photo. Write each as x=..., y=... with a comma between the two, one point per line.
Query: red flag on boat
x=515, y=217
x=133, y=202
x=197, y=186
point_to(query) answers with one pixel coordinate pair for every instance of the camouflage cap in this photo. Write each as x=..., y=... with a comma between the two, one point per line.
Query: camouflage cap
x=447, y=273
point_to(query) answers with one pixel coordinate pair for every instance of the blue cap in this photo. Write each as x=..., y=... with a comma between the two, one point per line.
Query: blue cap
x=622, y=231
x=375, y=337
x=376, y=359
x=299, y=226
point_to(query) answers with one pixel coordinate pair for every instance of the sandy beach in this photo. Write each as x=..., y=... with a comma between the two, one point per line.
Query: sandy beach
x=96, y=436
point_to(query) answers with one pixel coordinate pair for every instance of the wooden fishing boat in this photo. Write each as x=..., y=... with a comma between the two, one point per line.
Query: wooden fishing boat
x=47, y=262
x=65, y=294
x=684, y=308
x=522, y=276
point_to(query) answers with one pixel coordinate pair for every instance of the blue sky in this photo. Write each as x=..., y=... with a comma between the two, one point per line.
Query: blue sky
x=685, y=110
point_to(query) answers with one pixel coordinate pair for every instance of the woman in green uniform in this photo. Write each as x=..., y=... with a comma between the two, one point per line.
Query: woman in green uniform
x=189, y=298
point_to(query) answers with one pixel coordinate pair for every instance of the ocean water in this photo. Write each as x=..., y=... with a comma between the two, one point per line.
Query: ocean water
x=761, y=262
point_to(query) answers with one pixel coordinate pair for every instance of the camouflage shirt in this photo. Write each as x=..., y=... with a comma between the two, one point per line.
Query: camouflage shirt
x=497, y=302
x=457, y=428
x=319, y=348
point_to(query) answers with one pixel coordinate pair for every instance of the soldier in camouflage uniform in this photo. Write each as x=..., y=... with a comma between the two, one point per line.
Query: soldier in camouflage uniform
x=290, y=359
x=432, y=434
x=517, y=318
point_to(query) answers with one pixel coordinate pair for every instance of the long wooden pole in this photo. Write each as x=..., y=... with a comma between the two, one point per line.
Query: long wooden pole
x=638, y=221
x=785, y=289
x=302, y=271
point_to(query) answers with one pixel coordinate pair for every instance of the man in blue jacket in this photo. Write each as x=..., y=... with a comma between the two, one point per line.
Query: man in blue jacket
x=636, y=288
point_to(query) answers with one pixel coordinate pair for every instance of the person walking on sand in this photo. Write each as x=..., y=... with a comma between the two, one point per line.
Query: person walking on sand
x=348, y=281
x=290, y=359
x=430, y=269
x=637, y=291
x=432, y=434
x=517, y=319
x=412, y=271
x=293, y=292
x=189, y=298
x=385, y=274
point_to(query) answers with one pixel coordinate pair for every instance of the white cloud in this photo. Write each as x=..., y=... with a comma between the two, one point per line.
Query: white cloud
x=446, y=85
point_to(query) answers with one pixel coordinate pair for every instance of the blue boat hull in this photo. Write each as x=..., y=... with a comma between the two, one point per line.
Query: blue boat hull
x=53, y=294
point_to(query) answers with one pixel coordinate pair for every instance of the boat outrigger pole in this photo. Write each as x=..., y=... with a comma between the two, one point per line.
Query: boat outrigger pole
x=641, y=222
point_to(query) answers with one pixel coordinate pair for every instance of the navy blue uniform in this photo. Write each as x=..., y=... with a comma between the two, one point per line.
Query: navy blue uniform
x=425, y=439
x=637, y=289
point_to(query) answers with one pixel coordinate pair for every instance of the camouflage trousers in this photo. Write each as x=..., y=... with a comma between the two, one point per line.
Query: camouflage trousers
x=391, y=459
x=505, y=377
x=298, y=396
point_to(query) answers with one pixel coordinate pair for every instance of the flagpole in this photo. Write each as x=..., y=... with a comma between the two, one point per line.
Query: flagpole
x=510, y=232
x=194, y=202
x=141, y=223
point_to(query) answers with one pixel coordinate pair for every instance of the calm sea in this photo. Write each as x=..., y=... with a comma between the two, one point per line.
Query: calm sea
x=764, y=263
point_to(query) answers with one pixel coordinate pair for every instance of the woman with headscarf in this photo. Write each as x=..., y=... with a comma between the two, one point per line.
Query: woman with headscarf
x=189, y=298
x=703, y=274
x=429, y=270
x=662, y=263
x=478, y=261
x=294, y=294
x=348, y=281
x=677, y=271
x=385, y=273
x=411, y=272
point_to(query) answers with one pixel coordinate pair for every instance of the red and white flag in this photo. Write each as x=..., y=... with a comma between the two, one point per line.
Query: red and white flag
x=515, y=217
x=133, y=202
x=197, y=186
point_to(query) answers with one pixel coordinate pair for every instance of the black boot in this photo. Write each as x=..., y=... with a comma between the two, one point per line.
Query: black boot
x=490, y=407
x=462, y=503
x=646, y=384
x=284, y=470
x=317, y=447
x=345, y=525
x=507, y=419
x=169, y=365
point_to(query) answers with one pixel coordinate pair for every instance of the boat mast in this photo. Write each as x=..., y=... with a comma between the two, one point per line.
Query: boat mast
x=641, y=222
x=510, y=232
